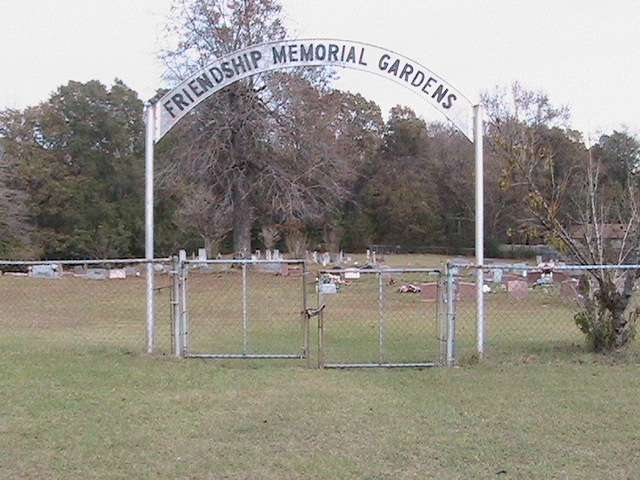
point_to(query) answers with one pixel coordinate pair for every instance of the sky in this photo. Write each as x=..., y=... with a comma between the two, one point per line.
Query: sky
x=583, y=53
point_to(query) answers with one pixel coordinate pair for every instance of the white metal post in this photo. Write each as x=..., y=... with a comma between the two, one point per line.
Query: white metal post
x=148, y=226
x=245, y=315
x=451, y=319
x=478, y=144
x=381, y=332
x=177, y=309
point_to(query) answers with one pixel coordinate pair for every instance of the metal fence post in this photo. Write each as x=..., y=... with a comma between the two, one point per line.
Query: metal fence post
x=148, y=226
x=305, y=316
x=479, y=233
x=381, y=332
x=245, y=316
x=184, y=317
x=451, y=317
x=176, y=301
x=441, y=318
x=320, y=324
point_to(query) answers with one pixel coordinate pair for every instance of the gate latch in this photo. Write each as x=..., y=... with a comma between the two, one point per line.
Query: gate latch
x=313, y=312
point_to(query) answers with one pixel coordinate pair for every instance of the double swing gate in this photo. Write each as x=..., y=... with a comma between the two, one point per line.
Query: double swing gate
x=245, y=309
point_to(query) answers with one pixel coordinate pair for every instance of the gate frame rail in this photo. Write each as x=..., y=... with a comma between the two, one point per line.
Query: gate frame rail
x=182, y=334
x=443, y=330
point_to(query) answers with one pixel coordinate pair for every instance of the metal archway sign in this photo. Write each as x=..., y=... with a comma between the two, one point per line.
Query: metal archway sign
x=163, y=115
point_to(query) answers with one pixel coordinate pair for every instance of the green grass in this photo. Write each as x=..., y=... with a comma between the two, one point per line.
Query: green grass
x=79, y=400
x=104, y=415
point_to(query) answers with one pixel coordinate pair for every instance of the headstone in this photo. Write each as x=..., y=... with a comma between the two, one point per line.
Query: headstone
x=159, y=268
x=131, y=272
x=202, y=254
x=521, y=269
x=276, y=255
x=325, y=259
x=429, y=291
x=48, y=270
x=497, y=275
x=559, y=277
x=373, y=258
x=351, y=274
x=117, y=273
x=97, y=274
x=267, y=255
x=368, y=256
x=314, y=256
x=275, y=268
x=518, y=289
x=258, y=254
x=294, y=271
x=466, y=291
x=510, y=276
x=569, y=288
x=534, y=277
x=328, y=288
x=182, y=255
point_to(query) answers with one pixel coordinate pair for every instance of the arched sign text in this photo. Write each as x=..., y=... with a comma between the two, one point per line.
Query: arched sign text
x=307, y=53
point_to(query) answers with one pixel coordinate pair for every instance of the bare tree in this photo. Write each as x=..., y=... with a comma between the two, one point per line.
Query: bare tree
x=15, y=228
x=208, y=213
x=274, y=145
x=572, y=201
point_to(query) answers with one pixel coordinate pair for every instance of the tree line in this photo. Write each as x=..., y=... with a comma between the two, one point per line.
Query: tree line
x=279, y=160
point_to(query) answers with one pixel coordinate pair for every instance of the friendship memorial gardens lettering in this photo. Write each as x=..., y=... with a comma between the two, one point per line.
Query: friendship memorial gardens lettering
x=287, y=54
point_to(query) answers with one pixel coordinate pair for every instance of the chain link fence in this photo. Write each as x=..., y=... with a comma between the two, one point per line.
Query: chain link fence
x=380, y=317
x=529, y=311
x=81, y=306
x=245, y=309
x=278, y=309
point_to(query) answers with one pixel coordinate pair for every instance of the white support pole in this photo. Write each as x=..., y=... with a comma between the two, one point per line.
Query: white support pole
x=451, y=319
x=245, y=313
x=148, y=226
x=176, y=306
x=478, y=140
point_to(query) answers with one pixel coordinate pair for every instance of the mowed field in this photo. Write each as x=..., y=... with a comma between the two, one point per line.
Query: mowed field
x=79, y=399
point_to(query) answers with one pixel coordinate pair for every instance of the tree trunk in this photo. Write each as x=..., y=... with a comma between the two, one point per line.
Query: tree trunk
x=296, y=241
x=212, y=247
x=333, y=237
x=270, y=236
x=242, y=219
x=610, y=313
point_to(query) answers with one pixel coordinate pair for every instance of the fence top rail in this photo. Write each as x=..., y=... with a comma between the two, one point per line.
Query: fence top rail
x=553, y=268
x=381, y=270
x=84, y=262
x=242, y=261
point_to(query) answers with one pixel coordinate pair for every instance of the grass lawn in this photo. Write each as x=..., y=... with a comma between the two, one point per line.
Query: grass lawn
x=106, y=415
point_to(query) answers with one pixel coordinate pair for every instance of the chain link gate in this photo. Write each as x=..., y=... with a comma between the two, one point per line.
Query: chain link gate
x=381, y=318
x=253, y=309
